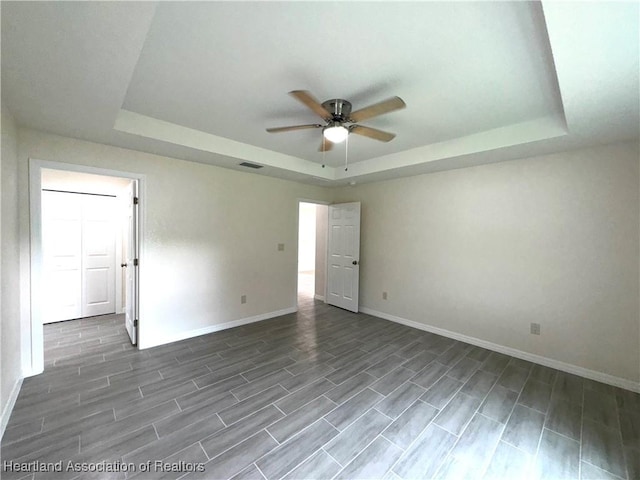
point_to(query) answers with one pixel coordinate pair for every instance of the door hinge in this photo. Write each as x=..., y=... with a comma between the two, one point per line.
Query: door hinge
x=135, y=323
x=135, y=200
x=135, y=262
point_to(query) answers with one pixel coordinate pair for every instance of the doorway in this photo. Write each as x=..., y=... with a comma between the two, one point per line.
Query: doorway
x=81, y=244
x=312, y=250
x=80, y=251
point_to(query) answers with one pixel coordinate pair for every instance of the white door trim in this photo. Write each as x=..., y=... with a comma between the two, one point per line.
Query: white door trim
x=35, y=334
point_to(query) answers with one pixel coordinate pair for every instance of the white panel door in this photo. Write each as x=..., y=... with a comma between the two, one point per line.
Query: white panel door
x=131, y=265
x=62, y=256
x=344, y=255
x=78, y=240
x=98, y=255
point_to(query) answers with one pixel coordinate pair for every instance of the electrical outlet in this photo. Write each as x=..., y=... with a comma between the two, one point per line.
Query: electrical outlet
x=243, y=299
x=281, y=247
x=384, y=295
x=535, y=329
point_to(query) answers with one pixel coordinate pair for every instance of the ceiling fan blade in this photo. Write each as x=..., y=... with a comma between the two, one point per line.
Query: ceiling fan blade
x=325, y=145
x=308, y=99
x=386, y=106
x=292, y=128
x=372, y=133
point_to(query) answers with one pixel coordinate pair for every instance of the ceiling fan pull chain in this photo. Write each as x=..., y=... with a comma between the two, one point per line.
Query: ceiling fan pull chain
x=346, y=154
x=324, y=148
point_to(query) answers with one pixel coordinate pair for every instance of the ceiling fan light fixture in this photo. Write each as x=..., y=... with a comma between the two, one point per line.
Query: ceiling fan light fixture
x=335, y=133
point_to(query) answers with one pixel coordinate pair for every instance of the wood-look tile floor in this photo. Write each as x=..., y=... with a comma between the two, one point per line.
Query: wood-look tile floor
x=323, y=393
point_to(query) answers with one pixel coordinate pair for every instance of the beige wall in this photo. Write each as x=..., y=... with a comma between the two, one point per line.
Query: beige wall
x=485, y=251
x=210, y=235
x=481, y=251
x=10, y=355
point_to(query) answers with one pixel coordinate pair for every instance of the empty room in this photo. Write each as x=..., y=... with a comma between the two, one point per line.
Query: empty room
x=320, y=240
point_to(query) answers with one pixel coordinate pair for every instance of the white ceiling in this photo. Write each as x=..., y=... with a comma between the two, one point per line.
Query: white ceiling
x=80, y=182
x=483, y=81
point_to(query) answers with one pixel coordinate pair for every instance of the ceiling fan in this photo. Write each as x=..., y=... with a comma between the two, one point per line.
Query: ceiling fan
x=340, y=121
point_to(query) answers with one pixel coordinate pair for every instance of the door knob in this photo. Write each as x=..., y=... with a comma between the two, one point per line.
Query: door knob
x=355, y=262
x=123, y=265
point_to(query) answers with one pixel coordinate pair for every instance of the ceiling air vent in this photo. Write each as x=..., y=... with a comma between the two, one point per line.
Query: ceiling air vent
x=250, y=165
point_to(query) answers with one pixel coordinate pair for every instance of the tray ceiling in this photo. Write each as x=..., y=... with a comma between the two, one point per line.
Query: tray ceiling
x=483, y=81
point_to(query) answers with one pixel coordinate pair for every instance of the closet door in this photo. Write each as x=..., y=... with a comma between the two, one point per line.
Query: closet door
x=78, y=240
x=98, y=255
x=62, y=256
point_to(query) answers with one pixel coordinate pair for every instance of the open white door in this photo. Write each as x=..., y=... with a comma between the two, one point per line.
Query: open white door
x=131, y=264
x=344, y=255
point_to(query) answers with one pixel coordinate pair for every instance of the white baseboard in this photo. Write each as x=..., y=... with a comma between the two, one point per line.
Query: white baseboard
x=8, y=408
x=176, y=337
x=547, y=362
x=319, y=297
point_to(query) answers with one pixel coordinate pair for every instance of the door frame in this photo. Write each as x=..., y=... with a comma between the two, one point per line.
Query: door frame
x=298, y=202
x=36, y=330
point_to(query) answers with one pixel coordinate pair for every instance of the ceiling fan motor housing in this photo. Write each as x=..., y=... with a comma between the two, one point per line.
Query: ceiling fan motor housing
x=338, y=108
